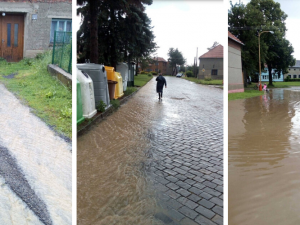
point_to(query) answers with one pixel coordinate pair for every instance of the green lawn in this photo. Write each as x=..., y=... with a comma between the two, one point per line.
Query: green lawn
x=30, y=81
x=141, y=79
x=277, y=84
x=211, y=82
x=244, y=95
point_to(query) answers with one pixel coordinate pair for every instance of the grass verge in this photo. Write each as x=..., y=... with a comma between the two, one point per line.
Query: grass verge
x=198, y=81
x=31, y=82
x=141, y=79
x=244, y=95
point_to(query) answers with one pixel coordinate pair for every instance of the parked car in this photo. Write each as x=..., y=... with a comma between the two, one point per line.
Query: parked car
x=179, y=75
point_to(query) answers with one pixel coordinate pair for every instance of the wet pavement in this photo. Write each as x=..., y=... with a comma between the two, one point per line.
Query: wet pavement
x=35, y=168
x=264, y=159
x=155, y=162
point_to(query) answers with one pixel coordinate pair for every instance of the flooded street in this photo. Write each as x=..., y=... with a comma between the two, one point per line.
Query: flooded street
x=264, y=159
x=35, y=168
x=155, y=162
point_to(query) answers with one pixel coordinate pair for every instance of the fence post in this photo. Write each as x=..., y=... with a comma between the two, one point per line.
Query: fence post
x=53, y=47
x=70, y=59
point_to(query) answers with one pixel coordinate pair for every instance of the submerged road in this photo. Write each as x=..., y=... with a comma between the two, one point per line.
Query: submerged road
x=155, y=162
x=35, y=168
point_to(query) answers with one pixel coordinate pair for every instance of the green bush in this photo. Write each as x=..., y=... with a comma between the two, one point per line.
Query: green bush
x=150, y=75
x=143, y=72
x=153, y=73
x=115, y=103
x=189, y=73
x=288, y=79
x=207, y=79
x=27, y=61
x=101, y=106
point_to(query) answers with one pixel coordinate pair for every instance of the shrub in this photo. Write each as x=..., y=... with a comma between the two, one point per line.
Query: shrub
x=287, y=79
x=115, y=103
x=143, y=72
x=150, y=75
x=189, y=73
x=153, y=73
x=27, y=61
x=101, y=106
x=207, y=79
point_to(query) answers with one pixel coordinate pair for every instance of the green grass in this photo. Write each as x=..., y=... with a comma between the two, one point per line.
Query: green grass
x=244, y=95
x=129, y=90
x=141, y=79
x=277, y=84
x=198, y=81
x=51, y=101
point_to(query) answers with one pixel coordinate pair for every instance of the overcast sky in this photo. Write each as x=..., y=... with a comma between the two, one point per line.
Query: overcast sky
x=186, y=25
x=291, y=8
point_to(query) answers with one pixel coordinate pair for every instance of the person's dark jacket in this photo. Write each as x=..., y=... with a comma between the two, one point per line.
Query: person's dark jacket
x=161, y=81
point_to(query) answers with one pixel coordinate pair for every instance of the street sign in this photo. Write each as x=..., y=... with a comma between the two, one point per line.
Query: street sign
x=203, y=70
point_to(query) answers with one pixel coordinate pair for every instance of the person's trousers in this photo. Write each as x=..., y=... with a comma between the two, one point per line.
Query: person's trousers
x=160, y=94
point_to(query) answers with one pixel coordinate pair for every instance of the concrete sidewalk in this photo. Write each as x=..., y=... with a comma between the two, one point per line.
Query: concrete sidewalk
x=35, y=168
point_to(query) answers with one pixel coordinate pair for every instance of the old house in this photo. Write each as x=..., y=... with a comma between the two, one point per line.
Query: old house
x=235, y=74
x=27, y=26
x=211, y=64
x=159, y=65
x=293, y=71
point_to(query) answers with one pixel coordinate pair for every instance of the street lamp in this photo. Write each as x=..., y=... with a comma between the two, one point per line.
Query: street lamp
x=260, y=87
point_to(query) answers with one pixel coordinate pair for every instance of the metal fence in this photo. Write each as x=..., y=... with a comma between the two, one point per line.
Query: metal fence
x=62, y=50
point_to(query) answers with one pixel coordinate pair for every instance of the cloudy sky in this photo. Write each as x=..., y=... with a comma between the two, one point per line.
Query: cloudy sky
x=291, y=8
x=186, y=25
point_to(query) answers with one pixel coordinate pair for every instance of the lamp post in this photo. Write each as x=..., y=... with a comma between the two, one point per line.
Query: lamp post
x=260, y=87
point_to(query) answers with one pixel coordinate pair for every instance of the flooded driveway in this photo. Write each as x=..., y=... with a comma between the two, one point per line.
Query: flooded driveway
x=35, y=168
x=264, y=159
x=155, y=162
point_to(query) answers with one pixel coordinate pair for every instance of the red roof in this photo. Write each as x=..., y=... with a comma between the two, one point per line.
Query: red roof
x=159, y=59
x=234, y=38
x=216, y=52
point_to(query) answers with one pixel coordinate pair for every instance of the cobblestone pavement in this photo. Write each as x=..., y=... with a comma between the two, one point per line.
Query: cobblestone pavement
x=187, y=154
x=35, y=168
x=160, y=162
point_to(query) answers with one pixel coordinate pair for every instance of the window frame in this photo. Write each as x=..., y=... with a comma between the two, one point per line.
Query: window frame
x=65, y=21
x=214, y=70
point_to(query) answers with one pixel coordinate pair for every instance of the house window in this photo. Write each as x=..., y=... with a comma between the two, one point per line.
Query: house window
x=60, y=25
x=299, y=76
x=295, y=76
x=214, y=72
x=290, y=76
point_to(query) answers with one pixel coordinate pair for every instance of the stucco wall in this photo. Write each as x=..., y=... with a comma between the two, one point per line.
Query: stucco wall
x=37, y=32
x=208, y=65
x=235, y=75
x=293, y=71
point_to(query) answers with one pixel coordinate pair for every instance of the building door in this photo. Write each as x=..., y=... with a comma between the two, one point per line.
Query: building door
x=11, y=37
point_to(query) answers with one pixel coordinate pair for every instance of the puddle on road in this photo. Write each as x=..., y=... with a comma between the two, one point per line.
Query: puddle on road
x=264, y=159
x=112, y=186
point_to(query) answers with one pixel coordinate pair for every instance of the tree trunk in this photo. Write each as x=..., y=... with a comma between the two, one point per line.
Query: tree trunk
x=270, y=75
x=94, y=32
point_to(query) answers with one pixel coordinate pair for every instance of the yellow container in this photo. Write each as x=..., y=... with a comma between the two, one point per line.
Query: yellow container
x=110, y=73
x=119, y=86
x=115, y=76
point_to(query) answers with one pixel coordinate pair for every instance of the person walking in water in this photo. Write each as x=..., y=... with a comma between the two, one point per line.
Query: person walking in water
x=161, y=81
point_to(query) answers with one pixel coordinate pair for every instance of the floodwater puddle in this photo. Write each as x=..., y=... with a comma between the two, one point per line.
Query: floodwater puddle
x=264, y=159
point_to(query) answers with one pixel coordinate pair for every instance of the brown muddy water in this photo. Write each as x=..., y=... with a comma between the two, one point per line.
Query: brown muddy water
x=264, y=159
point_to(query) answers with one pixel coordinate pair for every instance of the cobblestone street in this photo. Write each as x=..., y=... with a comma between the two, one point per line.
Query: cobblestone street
x=165, y=159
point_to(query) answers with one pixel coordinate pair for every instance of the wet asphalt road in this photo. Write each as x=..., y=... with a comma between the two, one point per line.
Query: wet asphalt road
x=160, y=162
x=35, y=168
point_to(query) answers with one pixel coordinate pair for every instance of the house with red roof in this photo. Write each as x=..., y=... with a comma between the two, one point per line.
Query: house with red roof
x=235, y=74
x=159, y=65
x=211, y=64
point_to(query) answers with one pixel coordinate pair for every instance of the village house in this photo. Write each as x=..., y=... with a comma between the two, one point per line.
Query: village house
x=27, y=26
x=294, y=71
x=235, y=74
x=211, y=64
x=159, y=65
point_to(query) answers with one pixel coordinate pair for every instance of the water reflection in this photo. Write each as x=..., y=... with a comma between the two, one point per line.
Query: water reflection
x=264, y=179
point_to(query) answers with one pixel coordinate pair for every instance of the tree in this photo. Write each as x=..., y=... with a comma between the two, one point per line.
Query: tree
x=246, y=22
x=175, y=59
x=124, y=31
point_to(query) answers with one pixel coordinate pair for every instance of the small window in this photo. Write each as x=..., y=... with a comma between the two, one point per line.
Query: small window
x=290, y=76
x=60, y=25
x=8, y=34
x=214, y=72
x=295, y=76
x=299, y=76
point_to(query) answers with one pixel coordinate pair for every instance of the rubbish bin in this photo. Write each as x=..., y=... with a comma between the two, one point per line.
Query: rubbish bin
x=123, y=69
x=80, y=117
x=98, y=74
x=131, y=70
x=115, y=76
x=119, y=86
x=87, y=94
x=112, y=88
